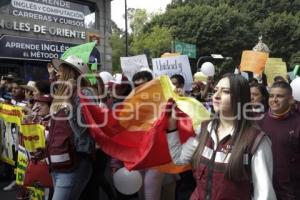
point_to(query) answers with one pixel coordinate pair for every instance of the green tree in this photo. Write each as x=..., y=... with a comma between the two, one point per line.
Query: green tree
x=137, y=19
x=157, y=41
x=282, y=34
x=219, y=29
x=118, y=47
x=231, y=26
x=294, y=60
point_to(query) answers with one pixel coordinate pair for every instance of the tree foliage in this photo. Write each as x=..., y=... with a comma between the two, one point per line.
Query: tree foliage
x=156, y=41
x=118, y=47
x=137, y=19
x=213, y=29
x=231, y=26
x=221, y=26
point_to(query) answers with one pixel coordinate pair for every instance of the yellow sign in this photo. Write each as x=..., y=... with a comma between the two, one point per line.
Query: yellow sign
x=275, y=67
x=12, y=114
x=21, y=165
x=33, y=136
x=253, y=61
x=36, y=193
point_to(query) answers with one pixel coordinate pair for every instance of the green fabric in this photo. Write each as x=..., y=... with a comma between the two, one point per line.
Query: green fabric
x=83, y=51
x=296, y=70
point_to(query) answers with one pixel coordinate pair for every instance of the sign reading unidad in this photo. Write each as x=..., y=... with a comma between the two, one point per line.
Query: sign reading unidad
x=174, y=65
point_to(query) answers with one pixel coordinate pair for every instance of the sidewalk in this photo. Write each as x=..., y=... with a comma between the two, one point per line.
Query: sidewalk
x=6, y=195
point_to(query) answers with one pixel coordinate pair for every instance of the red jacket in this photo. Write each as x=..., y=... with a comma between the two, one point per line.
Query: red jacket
x=60, y=149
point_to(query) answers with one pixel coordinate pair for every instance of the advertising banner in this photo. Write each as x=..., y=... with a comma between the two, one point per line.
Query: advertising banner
x=63, y=12
x=22, y=48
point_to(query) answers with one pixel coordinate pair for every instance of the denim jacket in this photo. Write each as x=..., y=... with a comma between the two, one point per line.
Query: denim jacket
x=83, y=142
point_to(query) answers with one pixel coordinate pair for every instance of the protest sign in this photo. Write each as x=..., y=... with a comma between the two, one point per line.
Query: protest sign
x=174, y=65
x=253, y=61
x=275, y=67
x=133, y=64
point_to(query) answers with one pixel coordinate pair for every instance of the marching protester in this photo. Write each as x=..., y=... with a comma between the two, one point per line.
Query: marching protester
x=232, y=156
x=5, y=87
x=281, y=123
x=259, y=99
x=69, y=146
x=202, y=89
x=200, y=86
x=17, y=99
x=229, y=155
x=100, y=159
x=177, y=80
x=152, y=178
x=39, y=115
x=18, y=93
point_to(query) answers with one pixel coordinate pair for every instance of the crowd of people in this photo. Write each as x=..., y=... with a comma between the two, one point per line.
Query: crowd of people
x=249, y=149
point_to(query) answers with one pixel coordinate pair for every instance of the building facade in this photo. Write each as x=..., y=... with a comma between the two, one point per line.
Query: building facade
x=32, y=32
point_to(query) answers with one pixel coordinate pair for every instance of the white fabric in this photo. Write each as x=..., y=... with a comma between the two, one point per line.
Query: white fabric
x=261, y=163
x=59, y=158
x=262, y=171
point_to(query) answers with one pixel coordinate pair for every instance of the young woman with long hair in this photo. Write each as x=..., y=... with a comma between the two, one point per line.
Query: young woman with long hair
x=259, y=99
x=231, y=158
x=69, y=146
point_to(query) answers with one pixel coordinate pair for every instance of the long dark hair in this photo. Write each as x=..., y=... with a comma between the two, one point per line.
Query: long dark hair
x=264, y=93
x=240, y=96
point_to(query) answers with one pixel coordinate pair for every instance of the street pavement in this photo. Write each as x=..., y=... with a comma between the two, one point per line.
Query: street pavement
x=6, y=195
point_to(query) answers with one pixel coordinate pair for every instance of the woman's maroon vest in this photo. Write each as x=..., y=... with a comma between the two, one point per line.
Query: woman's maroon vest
x=210, y=174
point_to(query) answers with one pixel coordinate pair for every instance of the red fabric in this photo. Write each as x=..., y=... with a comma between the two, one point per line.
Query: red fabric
x=37, y=174
x=137, y=149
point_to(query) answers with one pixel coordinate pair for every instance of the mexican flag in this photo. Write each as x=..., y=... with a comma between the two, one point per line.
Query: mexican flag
x=135, y=130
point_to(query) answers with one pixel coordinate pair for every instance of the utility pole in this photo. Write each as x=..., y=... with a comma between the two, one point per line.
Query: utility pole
x=126, y=30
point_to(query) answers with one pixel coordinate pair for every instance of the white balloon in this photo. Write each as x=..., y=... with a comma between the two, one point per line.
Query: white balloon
x=106, y=77
x=127, y=182
x=295, y=84
x=208, y=69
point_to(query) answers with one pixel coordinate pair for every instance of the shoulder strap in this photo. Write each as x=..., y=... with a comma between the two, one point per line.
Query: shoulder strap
x=256, y=142
x=203, y=127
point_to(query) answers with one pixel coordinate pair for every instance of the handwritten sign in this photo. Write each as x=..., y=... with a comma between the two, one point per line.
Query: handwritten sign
x=253, y=61
x=133, y=64
x=174, y=65
x=275, y=67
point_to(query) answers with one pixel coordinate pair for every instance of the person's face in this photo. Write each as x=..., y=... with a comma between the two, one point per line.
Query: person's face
x=44, y=108
x=59, y=73
x=279, y=100
x=221, y=98
x=16, y=90
x=28, y=94
x=8, y=86
x=139, y=82
x=36, y=93
x=256, y=96
x=175, y=83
